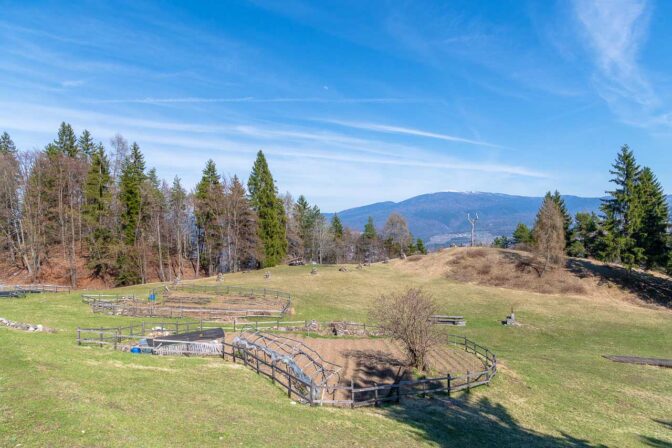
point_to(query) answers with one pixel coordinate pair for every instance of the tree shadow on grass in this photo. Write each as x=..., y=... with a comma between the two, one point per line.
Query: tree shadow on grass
x=648, y=287
x=474, y=423
x=658, y=443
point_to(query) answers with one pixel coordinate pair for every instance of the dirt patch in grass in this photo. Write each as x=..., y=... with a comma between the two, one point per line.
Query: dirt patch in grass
x=370, y=361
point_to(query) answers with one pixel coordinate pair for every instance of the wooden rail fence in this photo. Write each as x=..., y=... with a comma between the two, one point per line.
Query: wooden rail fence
x=33, y=289
x=297, y=388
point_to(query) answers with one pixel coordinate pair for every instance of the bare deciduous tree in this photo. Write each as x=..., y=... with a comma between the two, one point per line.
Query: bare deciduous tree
x=406, y=317
x=396, y=231
x=549, y=236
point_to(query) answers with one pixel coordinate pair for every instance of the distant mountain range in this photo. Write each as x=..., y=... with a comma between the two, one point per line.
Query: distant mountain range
x=440, y=219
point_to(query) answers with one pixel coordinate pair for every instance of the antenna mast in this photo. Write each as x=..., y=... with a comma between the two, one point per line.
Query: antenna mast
x=472, y=221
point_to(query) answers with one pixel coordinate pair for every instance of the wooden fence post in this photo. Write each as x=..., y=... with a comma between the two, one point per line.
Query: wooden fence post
x=273, y=371
x=289, y=385
x=79, y=337
x=352, y=393
x=468, y=381
x=448, y=380
x=101, y=337
x=375, y=394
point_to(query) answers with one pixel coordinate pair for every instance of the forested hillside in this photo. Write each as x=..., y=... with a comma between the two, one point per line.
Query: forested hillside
x=79, y=213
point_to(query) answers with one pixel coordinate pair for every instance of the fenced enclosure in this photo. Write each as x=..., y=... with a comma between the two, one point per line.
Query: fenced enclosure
x=23, y=290
x=218, y=302
x=160, y=338
x=306, y=376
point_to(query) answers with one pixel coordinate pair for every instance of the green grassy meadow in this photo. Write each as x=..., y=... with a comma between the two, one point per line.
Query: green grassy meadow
x=553, y=389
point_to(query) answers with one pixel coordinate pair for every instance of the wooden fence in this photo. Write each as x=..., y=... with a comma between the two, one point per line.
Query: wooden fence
x=358, y=396
x=113, y=298
x=351, y=395
x=35, y=288
x=237, y=290
x=177, y=312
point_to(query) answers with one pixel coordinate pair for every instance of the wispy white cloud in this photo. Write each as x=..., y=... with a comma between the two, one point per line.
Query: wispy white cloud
x=238, y=139
x=389, y=129
x=72, y=82
x=615, y=33
x=251, y=99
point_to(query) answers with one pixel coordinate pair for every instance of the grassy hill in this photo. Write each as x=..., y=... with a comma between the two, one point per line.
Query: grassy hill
x=553, y=389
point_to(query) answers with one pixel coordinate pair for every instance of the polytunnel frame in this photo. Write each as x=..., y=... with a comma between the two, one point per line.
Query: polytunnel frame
x=290, y=352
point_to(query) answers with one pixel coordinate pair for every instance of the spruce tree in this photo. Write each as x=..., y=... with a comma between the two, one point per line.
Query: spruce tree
x=369, y=229
x=336, y=227
x=623, y=212
x=85, y=144
x=585, y=235
x=652, y=236
x=131, y=179
x=208, y=198
x=97, y=199
x=65, y=143
x=6, y=144
x=130, y=198
x=522, y=234
x=420, y=245
x=270, y=211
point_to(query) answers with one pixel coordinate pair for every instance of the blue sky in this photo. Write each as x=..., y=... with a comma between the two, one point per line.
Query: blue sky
x=353, y=102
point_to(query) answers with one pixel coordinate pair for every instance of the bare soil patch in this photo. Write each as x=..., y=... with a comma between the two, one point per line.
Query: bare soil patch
x=185, y=299
x=370, y=361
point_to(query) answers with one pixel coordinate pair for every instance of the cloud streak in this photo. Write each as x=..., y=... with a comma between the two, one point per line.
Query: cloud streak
x=388, y=129
x=237, y=139
x=251, y=99
x=615, y=33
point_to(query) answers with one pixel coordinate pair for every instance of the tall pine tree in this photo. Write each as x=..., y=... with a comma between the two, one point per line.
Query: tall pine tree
x=130, y=198
x=336, y=227
x=652, y=236
x=65, y=143
x=97, y=199
x=6, y=144
x=622, y=212
x=270, y=211
x=85, y=144
x=208, y=203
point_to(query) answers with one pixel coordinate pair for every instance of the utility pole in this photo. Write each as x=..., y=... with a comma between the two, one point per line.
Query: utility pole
x=472, y=221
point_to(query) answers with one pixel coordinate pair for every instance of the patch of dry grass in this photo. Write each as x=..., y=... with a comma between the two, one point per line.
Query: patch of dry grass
x=513, y=270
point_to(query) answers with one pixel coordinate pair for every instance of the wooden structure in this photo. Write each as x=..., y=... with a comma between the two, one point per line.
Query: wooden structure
x=270, y=303
x=22, y=290
x=298, y=386
x=440, y=319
